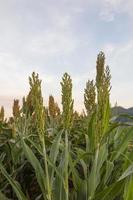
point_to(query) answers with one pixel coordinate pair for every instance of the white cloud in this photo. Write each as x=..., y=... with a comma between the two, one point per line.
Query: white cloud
x=110, y=8
x=52, y=43
x=14, y=76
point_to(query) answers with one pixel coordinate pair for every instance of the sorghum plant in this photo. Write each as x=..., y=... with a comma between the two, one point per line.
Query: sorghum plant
x=103, y=92
x=90, y=97
x=67, y=101
x=16, y=108
x=2, y=114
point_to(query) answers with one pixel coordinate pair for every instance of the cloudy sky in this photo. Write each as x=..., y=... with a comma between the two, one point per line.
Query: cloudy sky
x=56, y=36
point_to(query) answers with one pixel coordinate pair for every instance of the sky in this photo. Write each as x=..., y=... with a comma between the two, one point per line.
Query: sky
x=51, y=37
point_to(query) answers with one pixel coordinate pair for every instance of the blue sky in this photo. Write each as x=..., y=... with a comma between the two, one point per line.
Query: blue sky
x=56, y=36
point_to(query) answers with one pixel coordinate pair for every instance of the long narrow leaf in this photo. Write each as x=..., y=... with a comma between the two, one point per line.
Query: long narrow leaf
x=37, y=167
x=15, y=185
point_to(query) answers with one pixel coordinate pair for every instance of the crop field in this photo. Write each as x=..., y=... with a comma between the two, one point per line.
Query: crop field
x=53, y=153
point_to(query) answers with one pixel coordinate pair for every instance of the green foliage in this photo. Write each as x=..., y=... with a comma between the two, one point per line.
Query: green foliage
x=15, y=185
x=95, y=162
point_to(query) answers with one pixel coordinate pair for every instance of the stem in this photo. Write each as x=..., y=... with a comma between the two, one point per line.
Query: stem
x=66, y=165
x=46, y=169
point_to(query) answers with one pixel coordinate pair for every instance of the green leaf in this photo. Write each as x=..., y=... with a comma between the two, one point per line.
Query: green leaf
x=91, y=133
x=124, y=143
x=127, y=173
x=3, y=197
x=110, y=192
x=106, y=116
x=128, y=192
x=53, y=155
x=109, y=169
x=37, y=167
x=61, y=189
x=15, y=185
x=94, y=178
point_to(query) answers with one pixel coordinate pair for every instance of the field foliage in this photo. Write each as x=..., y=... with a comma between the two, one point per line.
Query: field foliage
x=48, y=153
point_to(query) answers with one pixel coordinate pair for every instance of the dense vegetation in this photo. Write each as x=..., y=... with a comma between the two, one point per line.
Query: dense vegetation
x=52, y=154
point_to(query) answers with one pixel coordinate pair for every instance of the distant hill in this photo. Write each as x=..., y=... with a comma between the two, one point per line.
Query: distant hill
x=120, y=110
